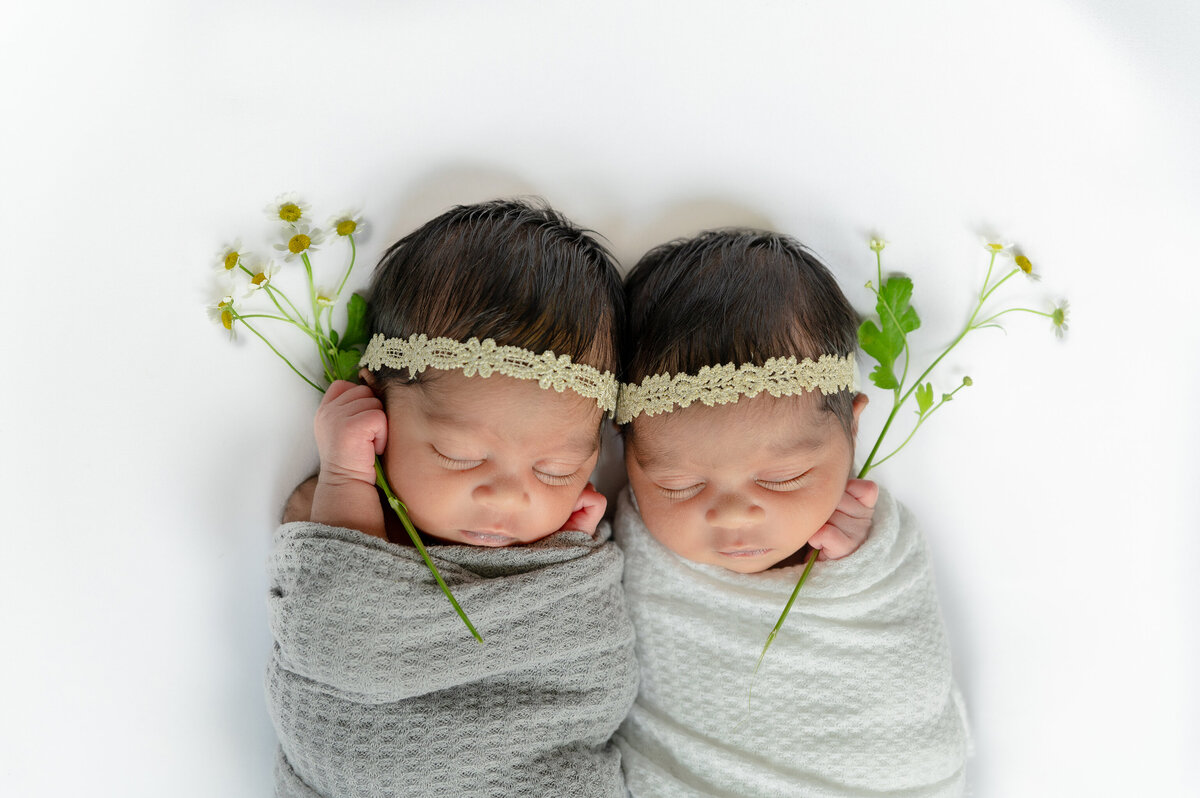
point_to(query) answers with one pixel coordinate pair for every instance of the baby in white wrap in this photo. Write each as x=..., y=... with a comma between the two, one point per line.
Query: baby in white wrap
x=740, y=420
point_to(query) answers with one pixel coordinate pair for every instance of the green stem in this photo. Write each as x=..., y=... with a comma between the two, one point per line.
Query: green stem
x=250, y=327
x=402, y=513
x=350, y=268
x=867, y=466
x=291, y=304
x=920, y=421
x=991, y=263
x=995, y=316
x=322, y=339
x=992, y=290
x=808, y=566
x=287, y=319
x=271, y=293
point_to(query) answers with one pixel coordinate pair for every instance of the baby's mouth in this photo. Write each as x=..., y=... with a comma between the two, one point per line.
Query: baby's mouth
x=744, y=552
x=487, y=538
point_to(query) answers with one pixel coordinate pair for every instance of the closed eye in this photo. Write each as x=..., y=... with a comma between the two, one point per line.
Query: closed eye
x=681, y=494
x=556, y=479
x=783, y=485
x=452, y=464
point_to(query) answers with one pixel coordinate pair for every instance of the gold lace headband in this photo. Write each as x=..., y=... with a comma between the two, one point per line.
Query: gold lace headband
x=715, y=385
x=484, y=357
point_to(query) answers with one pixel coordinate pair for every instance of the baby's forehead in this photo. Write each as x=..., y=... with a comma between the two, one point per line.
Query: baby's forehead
x=763, y=427
x=506, y=407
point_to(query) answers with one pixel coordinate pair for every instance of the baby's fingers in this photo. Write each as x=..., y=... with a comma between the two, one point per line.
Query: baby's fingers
x=860, y=507
x=832, y=539
x=588, y=511
x=864, y=491
x=337, y=388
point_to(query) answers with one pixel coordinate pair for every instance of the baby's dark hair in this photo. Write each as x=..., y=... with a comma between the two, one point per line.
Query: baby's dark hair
x=511, y=270
x=735, y=296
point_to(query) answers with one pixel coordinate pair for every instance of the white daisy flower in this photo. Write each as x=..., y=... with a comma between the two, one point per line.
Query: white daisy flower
x=877, y=244
x=347, y=223
x=288, y=208
x=263, y=273
x=996, y=246
x=326, y=297
x=223, y=311
x=1025, y=265
x=1059, y=318
x=299, y=239
x=228, y=256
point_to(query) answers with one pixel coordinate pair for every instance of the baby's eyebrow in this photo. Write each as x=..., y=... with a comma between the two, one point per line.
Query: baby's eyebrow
x=650, y=458
x=583, y=445
x=804, y=443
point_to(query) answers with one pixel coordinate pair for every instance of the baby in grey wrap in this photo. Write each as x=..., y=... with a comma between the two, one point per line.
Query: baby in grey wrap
x=740, y=422
x=485, y=387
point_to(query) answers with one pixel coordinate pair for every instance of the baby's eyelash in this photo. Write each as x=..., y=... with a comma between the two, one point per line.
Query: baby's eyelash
x=784, y=485
x=456, y=465
x=556, y=479
x=681, y=494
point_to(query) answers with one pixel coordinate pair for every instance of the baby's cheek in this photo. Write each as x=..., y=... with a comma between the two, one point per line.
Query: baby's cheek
x=660, y=520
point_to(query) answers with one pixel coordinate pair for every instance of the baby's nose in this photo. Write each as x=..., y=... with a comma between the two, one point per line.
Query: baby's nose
x=732, y=511
x=503, y=492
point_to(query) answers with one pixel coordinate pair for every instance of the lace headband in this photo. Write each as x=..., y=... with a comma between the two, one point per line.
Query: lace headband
x=484, y=357
x=715, y=385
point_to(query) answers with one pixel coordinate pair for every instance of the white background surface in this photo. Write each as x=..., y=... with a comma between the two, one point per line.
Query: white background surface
x=145, y=458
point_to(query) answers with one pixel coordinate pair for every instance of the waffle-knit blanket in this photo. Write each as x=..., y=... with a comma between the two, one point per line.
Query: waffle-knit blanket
x=376, y=688
x=855, y=697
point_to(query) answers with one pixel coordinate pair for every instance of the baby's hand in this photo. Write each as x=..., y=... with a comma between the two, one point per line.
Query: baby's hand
x=351, y=428
x=850, y=523
x=589, y=509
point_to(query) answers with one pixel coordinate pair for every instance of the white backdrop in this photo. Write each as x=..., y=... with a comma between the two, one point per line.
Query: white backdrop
x=146, y=458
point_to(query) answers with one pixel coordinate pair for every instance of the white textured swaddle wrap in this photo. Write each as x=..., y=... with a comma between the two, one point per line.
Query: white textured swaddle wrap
x=855, y=697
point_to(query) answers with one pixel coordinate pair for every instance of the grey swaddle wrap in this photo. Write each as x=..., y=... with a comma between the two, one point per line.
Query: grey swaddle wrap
x=855, y=698
x=376, y=688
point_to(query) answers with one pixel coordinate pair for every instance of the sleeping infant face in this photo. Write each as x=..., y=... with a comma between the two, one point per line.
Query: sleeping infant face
x=744, y=485
x=489, y=461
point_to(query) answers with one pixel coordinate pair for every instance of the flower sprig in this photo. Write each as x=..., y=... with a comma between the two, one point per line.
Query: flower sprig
x=339, y=352
x=885, y=339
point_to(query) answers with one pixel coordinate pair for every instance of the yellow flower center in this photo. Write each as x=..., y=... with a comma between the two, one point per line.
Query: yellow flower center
x=231, y=261
x=346, y=226
x=258, y=279
x=994, y=247
x=1058, y=317
x=289, y=212
x=227, y=319
x=1024, y=263
x=298, y=243
x=324, y=301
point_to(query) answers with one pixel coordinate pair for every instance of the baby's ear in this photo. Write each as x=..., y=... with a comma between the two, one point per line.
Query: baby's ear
x=860, y=404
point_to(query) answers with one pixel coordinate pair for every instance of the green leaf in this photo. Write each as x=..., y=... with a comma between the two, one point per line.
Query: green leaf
x=924, y=398
x=897, y=318
x=333, y=337
x=874, y=342
x=356, y=323
x=346, y=365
